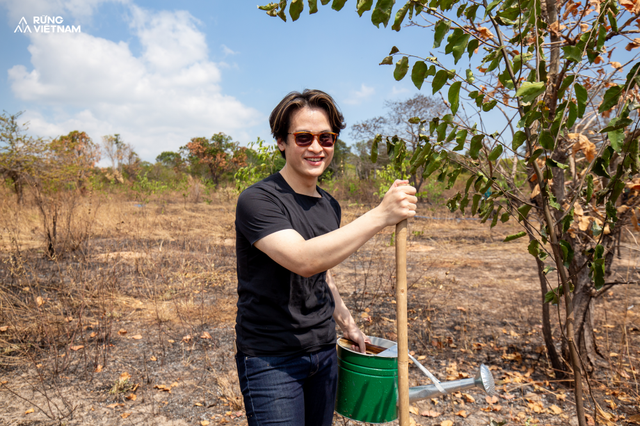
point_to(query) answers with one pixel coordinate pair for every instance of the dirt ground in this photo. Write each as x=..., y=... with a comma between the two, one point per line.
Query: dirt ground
x=146, y=336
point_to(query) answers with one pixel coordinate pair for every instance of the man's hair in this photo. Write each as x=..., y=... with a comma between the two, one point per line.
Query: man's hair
x=280, y=118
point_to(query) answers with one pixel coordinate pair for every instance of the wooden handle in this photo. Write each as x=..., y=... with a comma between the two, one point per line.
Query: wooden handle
x=401, y=321
x=374, y=349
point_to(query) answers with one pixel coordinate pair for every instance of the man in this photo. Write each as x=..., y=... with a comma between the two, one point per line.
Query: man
x=288, y=237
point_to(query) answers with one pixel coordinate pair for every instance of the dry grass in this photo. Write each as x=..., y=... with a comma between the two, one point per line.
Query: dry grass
x=150, y=292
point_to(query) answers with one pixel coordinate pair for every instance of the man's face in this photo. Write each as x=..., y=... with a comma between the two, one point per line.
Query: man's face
x=307, y=162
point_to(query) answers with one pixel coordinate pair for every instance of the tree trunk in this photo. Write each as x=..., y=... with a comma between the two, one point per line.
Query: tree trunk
x=558, y=366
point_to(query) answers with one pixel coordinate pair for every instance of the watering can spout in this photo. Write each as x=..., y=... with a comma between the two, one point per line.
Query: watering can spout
x=483, y=380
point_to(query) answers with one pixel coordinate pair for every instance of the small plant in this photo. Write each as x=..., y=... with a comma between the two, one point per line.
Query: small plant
x=123, y=385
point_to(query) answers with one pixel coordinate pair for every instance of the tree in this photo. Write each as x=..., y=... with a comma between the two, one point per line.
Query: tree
x=545, y=67
x=20, y=155
x=77, y=153
x=172, y=160
x=124, y=159
x=400, y=122
x=219, y=155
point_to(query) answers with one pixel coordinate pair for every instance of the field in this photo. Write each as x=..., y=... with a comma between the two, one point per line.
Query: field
x=134, y=324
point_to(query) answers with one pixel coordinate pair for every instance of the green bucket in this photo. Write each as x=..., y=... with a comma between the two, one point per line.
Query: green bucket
x=367, y=384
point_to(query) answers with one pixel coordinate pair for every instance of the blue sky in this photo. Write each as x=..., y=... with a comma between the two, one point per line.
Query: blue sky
x=161, y=72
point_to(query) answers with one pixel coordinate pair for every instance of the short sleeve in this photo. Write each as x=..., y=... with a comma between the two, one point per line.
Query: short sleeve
x=259, y=213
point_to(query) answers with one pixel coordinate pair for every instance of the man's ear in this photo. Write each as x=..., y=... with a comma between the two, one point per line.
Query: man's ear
x=281, y=144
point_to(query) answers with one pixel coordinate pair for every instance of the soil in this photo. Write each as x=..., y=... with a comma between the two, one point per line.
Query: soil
x=166, y=355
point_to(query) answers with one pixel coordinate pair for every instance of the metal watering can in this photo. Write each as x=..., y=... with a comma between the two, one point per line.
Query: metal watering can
x=368, y=384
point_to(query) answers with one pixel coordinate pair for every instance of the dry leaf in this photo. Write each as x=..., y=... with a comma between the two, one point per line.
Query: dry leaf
x=446, y=423
x=634, y=419
x=113, y=405
x=124, y=376
x=468, y=398
x=132, y=397
x=163, y=388
x=136, y=337
x=98, y=368
x=430, y=413
x=204, y=422
x=125, y=415
x=462, y=414
x=205, y=335
x=582, y=143
x=76, y=348
x=414, y=410
x=29, y=411
x=39, y=301
x=187, y=338
x=4, y=328
x=535, y=192
x=485, y=33
x=122, y=332
x=633, y=45
x=494, y=399
x=153, y=358
x=555, y=409
x=93, y=334
x=615, y=64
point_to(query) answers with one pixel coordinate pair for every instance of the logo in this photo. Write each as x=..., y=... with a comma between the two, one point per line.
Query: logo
x=22, y=27
x=47, y=24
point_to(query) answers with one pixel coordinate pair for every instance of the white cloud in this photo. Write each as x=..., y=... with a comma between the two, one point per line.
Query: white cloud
x=158, y=100
x=399, y=91
x=227, y=51
x=358, y=96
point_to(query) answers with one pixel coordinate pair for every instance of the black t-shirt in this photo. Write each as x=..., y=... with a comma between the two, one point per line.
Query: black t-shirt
x=281, y=313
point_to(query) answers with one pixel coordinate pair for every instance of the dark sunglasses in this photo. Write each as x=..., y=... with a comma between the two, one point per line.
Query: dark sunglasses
x=325, y=139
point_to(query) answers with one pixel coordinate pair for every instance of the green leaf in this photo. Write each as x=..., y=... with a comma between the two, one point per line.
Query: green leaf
x=589, y=191
x=598, y=267
x=338, y=4
x=454, y=96
x=616, y=123
x=610, y=98
x=495, y=152
x=616, y=138
x=402, y=66
x=470, y=78
x=515, y=236
x=572, y=116
x=612, y=21
x=523, y=212
x=387, y=61
x=457, y=43
x=534, y=247
x=418, y=73
x=461, y=138
x=573, y=53
x=295, y=9
x=394, y=50
x=505, y=217
x=567, y=252
x=553, y=296
x=472, y=46
x=474, y=205
x=599, y=168
x=581, y=96
x=397, y=24
x=324, y=2
x=374, y=147
x=363, y=6
x=529, y=91
x=476, y=144
x=486, y=107
x=567, y=220
x=553, y=163
x=546, y=140
x=313, y=6
x=442, y=27
x=518, y=139
x=491, y=6
x=439, y=80
x=382, y=12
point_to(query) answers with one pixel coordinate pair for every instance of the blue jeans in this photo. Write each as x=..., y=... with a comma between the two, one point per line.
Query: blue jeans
x=297, y=390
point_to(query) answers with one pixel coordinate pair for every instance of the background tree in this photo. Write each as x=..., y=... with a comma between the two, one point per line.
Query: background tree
x=545, y=66
x=77, y=152
x=20, y=155
x=400, y=122
x=219, y=155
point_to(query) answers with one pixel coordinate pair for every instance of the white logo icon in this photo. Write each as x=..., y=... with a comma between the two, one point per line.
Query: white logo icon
x=22, y=27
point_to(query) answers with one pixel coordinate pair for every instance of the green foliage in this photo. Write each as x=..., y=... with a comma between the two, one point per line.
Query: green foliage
x=262, y=160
